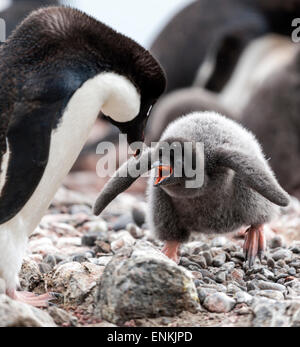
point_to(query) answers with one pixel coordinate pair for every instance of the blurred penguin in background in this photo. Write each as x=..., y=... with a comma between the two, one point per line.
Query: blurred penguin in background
x=14, y=11
x=260, y=59
x=210, y=35
x=207, y=29
x=272, y=114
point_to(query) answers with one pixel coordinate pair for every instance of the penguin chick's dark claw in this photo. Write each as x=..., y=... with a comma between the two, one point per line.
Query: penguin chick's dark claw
x=239, y=188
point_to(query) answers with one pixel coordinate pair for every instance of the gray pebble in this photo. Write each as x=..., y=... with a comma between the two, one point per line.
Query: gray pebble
x=238, y=255
x=228, y=266
x=275, y=242
x=292, y=271
x=138, y=216
x=75, y=209
x=268, y=274
x=232, y=288
x=295, y=264
x=199, y=260
x=271, y=294
x=209, y=280
x=281, y=281
x=219, y=302
x=44, y=268
x=204, y=292
x=122, y=222
x=79, y=258
x=102, y=261
x=218, y=287
x=282, y=276
x=260, y=277
x=230, y=247
x=282, y=254
x=295, y=249
x=134, y=231
x=271, y=286
x=102, y=247
x=271, y=263
x=89, y=254
x=197, y=283
x=208, y=258
x=243, y=298
x=221, y=277
x=219, y=260
x=281, y=263
x=219, y=241
x=251, y=285
x=91, y=237
x=206, y=273
x=50, y=260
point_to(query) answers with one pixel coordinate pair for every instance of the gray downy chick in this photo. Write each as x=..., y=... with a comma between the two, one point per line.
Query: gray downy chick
x=239, y=188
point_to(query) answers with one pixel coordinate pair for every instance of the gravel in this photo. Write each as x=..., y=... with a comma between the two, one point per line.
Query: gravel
x=110, y=271
x=219, y=302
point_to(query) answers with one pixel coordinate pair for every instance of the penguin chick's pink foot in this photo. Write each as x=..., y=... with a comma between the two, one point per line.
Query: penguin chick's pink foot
x=31, y=298
x=254, y=243
x=171, y=249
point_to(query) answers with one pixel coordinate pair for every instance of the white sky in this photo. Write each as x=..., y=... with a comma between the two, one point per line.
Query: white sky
x=139, y=19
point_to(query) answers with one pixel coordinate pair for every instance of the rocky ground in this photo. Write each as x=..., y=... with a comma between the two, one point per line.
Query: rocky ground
x=109, y=272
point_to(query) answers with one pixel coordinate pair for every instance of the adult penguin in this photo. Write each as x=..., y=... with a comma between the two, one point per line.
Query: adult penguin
x=58, y=71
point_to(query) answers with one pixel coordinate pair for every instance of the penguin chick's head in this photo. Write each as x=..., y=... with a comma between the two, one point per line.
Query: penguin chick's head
x=179, y=167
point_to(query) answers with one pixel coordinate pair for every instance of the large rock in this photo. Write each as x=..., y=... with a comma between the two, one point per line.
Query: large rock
x=142, y=283
x=17, y=314
x=76, y=281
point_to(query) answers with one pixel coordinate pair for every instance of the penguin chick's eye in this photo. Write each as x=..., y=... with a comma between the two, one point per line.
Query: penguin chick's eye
x=164, y=171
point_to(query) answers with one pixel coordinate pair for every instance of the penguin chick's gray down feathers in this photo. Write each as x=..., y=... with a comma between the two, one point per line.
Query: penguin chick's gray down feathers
x=239, y=188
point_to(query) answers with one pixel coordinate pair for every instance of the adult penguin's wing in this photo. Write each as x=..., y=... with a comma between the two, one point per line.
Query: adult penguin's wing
x=26, y=133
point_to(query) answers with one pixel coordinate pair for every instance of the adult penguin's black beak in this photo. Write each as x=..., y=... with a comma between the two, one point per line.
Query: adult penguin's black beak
x=135, y=129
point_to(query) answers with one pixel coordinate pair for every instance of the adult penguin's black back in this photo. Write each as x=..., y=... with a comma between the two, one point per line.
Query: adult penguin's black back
x=53, y=54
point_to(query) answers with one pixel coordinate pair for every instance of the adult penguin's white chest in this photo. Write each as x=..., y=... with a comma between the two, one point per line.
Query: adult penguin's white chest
x=67, y=141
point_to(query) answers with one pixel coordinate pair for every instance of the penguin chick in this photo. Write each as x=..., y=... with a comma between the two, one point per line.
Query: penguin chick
x=58, y=71
x=239, y=188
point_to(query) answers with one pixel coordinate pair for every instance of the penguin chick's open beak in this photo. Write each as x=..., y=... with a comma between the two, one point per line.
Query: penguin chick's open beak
x=163, y=172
